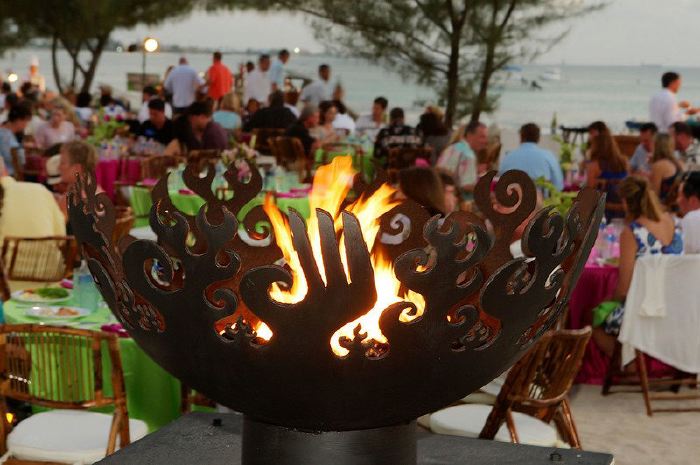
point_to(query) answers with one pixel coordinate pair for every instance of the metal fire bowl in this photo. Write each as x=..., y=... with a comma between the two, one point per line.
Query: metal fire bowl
x=191, y=299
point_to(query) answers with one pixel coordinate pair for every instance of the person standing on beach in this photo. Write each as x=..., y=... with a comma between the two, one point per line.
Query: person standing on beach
x=277, y=70
x=320, y=90
x=258, y=85
x=182, y=83
x=219, y=80
x=664, y=109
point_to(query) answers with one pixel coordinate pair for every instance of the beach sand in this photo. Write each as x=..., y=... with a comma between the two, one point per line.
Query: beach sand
x=618, y=424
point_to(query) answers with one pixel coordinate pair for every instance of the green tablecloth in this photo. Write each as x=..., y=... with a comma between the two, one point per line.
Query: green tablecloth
x=190, y=204
x=152, y=394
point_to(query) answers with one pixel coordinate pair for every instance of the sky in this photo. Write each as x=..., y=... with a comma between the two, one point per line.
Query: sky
x=627, y=32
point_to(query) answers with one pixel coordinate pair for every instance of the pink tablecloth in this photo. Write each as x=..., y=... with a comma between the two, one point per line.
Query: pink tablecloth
x=108, y=171
x=596, y=284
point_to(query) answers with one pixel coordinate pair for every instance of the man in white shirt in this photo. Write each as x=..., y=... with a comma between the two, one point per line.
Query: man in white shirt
x=320, y=90
x=258, y=85
x=689, y=203
x=277, y=70
x=183, y=82
x=147, y=94
x=664, y=109
x=370, y=125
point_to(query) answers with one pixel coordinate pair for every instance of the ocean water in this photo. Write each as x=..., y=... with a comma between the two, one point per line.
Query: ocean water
x=585, y=93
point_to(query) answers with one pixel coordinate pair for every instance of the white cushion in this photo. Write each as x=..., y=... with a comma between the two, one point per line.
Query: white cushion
x=468, y=420
x=424, y=421
x=66, y=436
x=479, y=397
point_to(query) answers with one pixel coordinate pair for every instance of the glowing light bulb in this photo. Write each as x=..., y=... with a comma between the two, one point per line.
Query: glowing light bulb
x=12, y=77
x=297, y=50
x=150, y=45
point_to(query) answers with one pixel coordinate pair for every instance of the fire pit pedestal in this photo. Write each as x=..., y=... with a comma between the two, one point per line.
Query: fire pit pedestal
x=215, y=439
x=265, y=444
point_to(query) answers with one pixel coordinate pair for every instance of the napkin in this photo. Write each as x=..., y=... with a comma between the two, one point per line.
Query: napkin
x=654, y=274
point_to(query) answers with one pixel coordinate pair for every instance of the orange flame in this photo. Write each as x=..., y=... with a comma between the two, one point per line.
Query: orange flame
x=331, y=185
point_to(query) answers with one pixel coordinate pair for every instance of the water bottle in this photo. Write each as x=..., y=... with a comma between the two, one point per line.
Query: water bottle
x=84, y=289
x=279, y=179
x=600, y=239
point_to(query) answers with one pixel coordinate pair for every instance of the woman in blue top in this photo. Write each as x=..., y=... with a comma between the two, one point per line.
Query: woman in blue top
x=607, y=168
x=649, y=231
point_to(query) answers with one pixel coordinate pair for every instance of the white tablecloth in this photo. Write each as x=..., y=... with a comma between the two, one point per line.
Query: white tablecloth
x=672, y=332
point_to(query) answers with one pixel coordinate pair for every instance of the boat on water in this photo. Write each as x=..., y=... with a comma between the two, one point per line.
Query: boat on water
x=553, y=74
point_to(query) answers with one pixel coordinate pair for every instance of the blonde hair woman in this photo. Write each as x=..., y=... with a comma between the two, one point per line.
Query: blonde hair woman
x=649, y=231
x=665, y=169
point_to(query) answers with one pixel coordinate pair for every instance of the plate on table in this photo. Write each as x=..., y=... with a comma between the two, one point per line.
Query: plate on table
x=43, y=295
x=57, y=312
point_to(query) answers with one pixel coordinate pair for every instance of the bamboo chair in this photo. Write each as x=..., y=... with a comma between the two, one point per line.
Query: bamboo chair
x=536, y=387
x=61, y=368
x=617, y=376
x=39, y=259
x=203, y=157
x=539, y=385
x=190, y=398
x=156, y=166
x=123, y=224
x=289, y=153
x=263, y=137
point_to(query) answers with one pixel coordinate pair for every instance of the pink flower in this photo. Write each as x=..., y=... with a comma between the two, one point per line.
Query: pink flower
x=120, y=118
x=106, y=118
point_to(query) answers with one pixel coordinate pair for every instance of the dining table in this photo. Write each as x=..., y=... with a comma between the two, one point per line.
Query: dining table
x=596, y=284
x=153, y=395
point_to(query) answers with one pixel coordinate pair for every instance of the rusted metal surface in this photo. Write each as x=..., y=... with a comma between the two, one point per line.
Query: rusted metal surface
x=483, y=308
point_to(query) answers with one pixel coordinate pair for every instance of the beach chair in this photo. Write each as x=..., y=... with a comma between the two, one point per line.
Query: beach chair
x=669, y=334
x=534, y=394
x=39, y=259
x=62, y=369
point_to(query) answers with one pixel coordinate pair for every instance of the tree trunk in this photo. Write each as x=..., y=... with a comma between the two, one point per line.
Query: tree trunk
x=96, y=53
x=54, y=64
x=453, y=77
x=486, y=73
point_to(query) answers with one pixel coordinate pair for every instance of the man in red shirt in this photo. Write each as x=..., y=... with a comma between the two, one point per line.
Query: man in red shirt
x=219, y=79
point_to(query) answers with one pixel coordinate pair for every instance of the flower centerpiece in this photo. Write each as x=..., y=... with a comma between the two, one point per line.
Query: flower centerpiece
x=242, y=157
x=106, y=128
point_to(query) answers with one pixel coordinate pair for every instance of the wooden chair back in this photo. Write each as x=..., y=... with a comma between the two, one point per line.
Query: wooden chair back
x=204, y=157
x=17, y=165
x=263, y=137
x=190, y=398
x=155, y=166
x=123, y=224
x=540, y=382
x=289, y=153
x=58, y=367
x=39, y=259
x=627, y=143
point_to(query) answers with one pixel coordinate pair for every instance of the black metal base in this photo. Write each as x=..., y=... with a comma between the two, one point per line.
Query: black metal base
x=265, y=444
x=215, y=439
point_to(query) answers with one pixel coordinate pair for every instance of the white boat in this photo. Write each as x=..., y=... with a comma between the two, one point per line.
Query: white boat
x=553, y=74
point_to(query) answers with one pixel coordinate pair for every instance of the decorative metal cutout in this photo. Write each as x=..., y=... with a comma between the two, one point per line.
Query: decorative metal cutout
x=193, y=305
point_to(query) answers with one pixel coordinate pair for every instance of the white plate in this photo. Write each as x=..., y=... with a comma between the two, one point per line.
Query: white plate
x=51, y=312
x=31, y=298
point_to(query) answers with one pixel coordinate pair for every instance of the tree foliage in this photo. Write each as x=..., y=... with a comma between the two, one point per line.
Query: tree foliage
x=82, y=27
x=452, y=46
